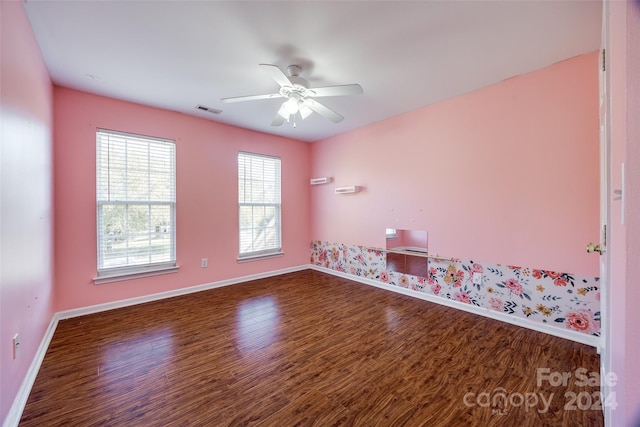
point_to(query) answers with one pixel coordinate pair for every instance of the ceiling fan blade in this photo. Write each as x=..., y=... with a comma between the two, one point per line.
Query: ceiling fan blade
x=276, y=74
x=339, y=90
x=323, y=110
x=280, y=117
x=251, y=97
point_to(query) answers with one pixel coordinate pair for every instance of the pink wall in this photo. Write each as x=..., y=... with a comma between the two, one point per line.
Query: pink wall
x=507, y=174
x=206, y=212
x=623, y=344
x=26, y=200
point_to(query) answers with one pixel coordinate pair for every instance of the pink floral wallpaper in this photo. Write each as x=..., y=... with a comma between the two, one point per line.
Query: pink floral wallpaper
x=558, y=299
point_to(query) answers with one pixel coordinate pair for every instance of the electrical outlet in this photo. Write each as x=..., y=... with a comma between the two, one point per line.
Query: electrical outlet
x=204, y=262
x=16, y=344
x=477, y=278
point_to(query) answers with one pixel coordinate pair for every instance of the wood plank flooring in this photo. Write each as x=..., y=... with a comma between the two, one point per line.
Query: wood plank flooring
x=302, y=349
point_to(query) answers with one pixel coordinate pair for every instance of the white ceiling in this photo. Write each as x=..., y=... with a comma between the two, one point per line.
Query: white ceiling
x=405, y=55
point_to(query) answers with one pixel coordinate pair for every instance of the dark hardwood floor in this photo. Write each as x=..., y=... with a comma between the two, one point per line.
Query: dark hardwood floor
x=306, y=348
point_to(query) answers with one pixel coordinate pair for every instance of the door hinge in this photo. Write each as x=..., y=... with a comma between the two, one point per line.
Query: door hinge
x=604, y=235
x=604, y=60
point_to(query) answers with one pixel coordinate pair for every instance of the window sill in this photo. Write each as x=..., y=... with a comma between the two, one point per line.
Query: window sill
x=259, y=257
x=116, y=277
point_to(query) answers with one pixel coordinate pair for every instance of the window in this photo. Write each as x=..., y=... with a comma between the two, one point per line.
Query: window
x=136, y=204
x=259, y=205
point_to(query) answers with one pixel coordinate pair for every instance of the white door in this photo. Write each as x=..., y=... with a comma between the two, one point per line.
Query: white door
x=605, y=218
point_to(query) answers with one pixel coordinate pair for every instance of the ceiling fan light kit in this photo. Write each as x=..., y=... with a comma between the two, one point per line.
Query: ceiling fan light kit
x=299, y=96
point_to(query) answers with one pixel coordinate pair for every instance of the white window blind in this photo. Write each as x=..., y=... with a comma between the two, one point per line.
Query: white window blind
x=136, y=203
x=259, y=205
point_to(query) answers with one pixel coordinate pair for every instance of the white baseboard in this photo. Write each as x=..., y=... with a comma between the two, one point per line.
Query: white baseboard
x=13, y=418
x=15, y=412
x=76, y=312
x=503, y=317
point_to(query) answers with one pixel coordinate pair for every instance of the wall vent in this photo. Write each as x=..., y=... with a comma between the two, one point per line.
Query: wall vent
x=208, y=109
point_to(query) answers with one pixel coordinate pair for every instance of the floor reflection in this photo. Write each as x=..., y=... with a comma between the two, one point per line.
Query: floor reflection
x=393, y=319
x=257, y=323
x=129, y=351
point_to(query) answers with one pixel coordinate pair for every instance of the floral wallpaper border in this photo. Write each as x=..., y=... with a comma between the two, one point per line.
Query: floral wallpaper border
x=557, y=299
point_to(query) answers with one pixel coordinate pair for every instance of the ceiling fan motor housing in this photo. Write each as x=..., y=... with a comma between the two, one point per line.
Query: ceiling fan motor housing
x=295, y=79
x=294, y=70
x=299, y=81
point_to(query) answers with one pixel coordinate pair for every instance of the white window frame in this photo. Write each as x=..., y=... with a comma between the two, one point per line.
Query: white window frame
x=130, y=270
x=243, y=202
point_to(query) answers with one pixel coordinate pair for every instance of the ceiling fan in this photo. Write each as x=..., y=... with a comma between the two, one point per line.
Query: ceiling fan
x=299, y=96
